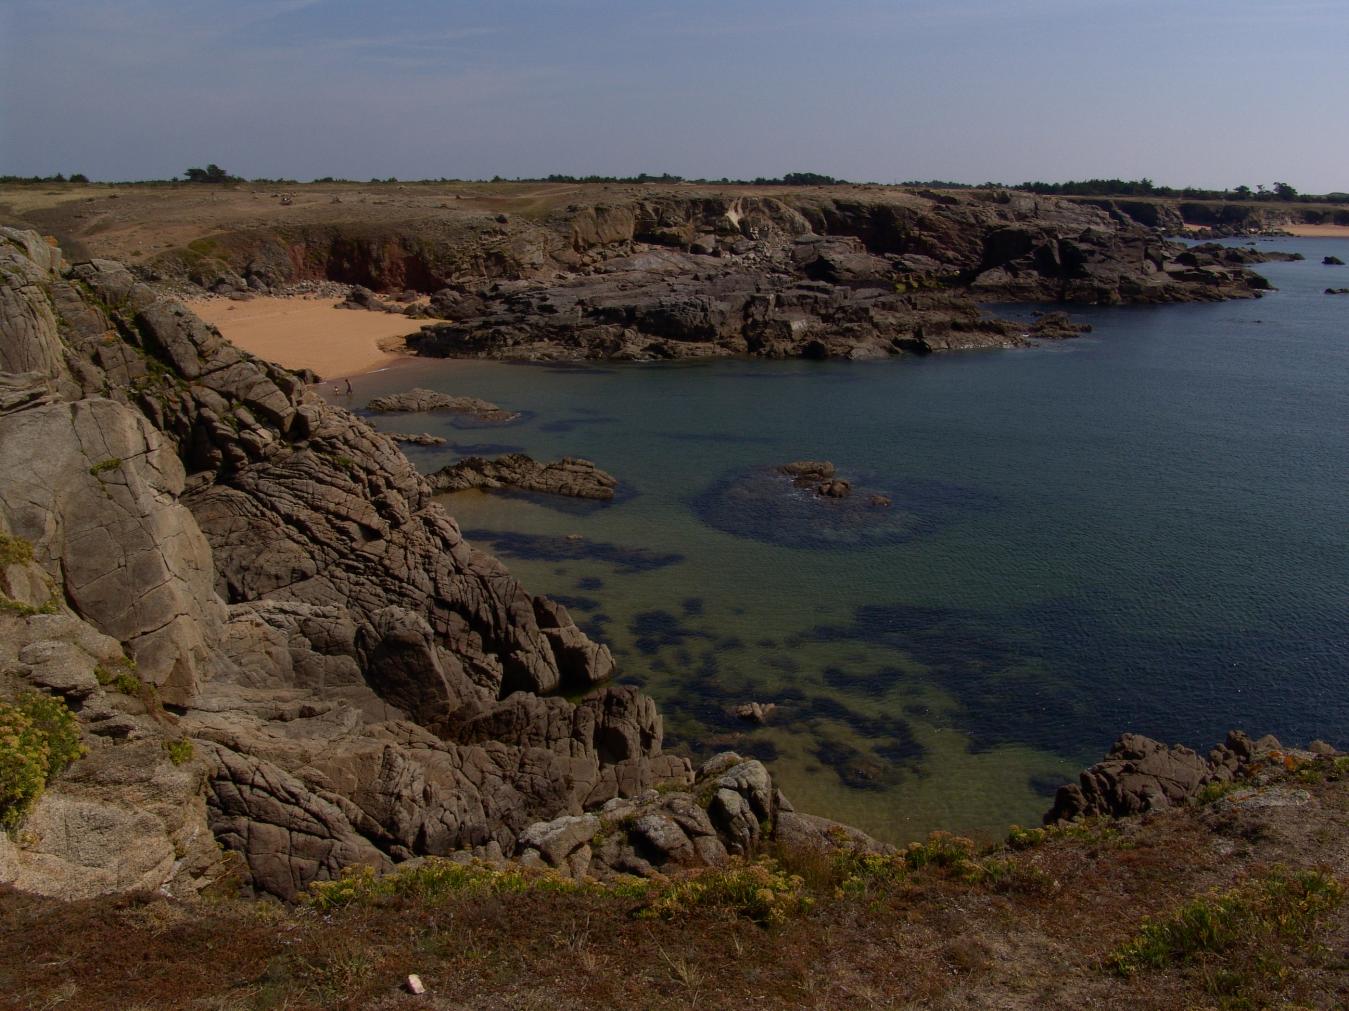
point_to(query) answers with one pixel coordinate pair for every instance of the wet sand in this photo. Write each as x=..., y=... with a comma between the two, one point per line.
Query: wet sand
x=309, y=333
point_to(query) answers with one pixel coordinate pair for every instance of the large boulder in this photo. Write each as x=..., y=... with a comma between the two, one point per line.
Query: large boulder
x=1141, y=774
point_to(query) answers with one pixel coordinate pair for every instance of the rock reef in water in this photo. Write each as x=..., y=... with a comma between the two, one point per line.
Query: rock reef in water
x=569, y=476
x=421, y=401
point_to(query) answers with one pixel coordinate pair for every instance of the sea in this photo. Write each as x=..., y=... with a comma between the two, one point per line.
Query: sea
x=1144, y=529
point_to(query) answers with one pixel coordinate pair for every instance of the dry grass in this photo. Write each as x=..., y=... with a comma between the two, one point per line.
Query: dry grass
x=939, y=926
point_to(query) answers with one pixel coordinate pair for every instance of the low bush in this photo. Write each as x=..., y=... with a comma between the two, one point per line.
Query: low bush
x=120, y=676
x=180, y=751
x=759, y=891
x=104, y=466
x=14, y=550
x=431, y=880
x=1281, y=906
x=38, y=738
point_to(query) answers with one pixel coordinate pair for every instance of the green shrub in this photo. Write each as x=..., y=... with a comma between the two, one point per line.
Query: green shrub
x=1215, y=790
x=120, y=676
x=431, y=880
x=57, y=724
x=14, y=550
x=1099, y=830
x=950, y=852
x=1019, y=838
x=180, y=751
x=758, y=891
x=1281, y=905
x=103, y=466
x=23, y=765
x=38, y=738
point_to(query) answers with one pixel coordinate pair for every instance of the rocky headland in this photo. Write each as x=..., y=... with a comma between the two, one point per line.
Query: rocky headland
x=663, y=272
x=794, y=277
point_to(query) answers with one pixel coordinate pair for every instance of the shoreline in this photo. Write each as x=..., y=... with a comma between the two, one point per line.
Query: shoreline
x=306, y=332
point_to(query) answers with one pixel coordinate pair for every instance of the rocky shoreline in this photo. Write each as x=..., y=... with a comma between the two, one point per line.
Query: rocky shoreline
x=672, y=273
x=763, y=277
x=284, y=659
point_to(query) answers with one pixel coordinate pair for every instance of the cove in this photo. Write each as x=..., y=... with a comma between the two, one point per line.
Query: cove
x=1144, y=529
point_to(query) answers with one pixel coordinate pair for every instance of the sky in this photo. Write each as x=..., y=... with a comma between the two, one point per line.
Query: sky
x=1211, y=93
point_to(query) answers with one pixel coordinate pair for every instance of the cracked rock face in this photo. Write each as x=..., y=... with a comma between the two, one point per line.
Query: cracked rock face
x=361, y=684
x=1141, y=775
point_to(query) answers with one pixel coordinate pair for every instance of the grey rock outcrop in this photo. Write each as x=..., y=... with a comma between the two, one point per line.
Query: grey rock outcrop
x=800, y=275
x=126, y=816
x=358, y=681
x=730, y=808
x=420, y=400
x=569, y=476
x=1141, y=775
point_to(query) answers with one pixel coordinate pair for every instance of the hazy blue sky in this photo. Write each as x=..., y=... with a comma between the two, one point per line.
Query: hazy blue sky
x=1203, y=92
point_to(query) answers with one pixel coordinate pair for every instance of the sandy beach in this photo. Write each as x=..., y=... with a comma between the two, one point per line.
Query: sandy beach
x=300, y=333
x=1319, y=231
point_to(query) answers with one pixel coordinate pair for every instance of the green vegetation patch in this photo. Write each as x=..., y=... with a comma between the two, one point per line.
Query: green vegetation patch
x=1279, y=908
x=119, y=675
x=104, y=466
x=180, y=752
x=9, y=604
x=1104, y=831
x=38, y=738
x=759, y=891
x=1215, y=791
x=432, y=880
x=15, y=550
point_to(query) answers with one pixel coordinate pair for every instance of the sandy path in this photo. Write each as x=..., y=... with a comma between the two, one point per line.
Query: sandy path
x=308, y=333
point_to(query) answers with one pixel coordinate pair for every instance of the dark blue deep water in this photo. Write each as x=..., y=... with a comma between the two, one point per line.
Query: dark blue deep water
x=1143, y=529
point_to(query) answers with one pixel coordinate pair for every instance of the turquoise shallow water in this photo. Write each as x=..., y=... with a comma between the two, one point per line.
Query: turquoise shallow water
x=1144, y=529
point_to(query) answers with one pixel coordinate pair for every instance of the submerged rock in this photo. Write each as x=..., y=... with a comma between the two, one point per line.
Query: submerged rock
x=569, y=476
x=1057, y=326
x=755, y=712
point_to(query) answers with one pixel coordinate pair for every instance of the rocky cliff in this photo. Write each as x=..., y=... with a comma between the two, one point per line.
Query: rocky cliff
x=204, y=552
x=681, y=272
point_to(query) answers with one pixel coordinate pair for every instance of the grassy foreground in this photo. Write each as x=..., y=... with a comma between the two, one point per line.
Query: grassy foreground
x=1234, y=902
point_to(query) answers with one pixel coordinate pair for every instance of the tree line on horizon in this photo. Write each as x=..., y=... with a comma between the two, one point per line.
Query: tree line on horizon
x=213, y=174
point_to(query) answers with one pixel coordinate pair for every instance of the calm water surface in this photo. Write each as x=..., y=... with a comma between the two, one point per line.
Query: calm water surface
x=1144, y=529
